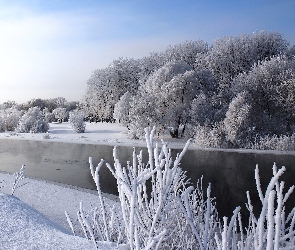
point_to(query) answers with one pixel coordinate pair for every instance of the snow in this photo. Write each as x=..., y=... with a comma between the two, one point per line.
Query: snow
x=35, y=217
x=95, y=133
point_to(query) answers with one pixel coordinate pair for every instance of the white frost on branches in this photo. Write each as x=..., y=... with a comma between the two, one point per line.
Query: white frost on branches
x=160, y=209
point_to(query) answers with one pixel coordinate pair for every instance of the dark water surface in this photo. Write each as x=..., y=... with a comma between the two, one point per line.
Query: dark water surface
x=230, y=173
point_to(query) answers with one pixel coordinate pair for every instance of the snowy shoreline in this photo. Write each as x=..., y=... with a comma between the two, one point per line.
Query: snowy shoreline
x=114, y=134
x=51, y=199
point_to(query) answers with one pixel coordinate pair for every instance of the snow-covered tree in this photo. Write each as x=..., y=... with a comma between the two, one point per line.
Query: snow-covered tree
x=32, y=122
x=61, y=114
x=170, y=88
x=270, y=85
x=169, y=92
x=9, y=118
x=187, y=52
x=237, y=122
x=233, y=55
x=122, y=107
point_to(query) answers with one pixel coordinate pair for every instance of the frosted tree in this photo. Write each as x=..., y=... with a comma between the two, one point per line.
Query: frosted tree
x=270, y=85
x=106, y=86
x=48, y=116
x=9, y=118
x=122, y=108
x=60, y=113
x=237, y=121
x=168, y=87
x=32, y=122
x=233, y=55
x=187, y=52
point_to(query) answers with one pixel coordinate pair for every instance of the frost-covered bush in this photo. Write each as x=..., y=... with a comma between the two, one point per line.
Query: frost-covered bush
x=281, y=143
x=207, y=136
x=9, y=119
x=77, y=121
x=32, y=122
x=147, y=220
x=176, y=215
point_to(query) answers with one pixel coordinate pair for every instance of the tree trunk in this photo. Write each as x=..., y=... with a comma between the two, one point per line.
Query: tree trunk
x=174, y=133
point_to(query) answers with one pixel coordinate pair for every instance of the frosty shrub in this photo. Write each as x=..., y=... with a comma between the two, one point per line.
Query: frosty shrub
x=32, y=122
x=146, y=219
x=77, y=121
x=9, y=119
x=281, y=143
x=207, y=136
x=46, y=136
x=176, y=215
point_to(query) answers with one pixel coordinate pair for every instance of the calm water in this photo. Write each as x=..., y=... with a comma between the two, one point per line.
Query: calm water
x=230, y=173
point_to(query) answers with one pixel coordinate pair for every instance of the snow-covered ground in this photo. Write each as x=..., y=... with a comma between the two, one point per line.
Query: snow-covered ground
x=96, y=133
x=34, y=218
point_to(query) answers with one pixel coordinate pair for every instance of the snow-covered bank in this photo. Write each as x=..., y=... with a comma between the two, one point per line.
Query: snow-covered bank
x=96, y=133
x=113, y=134
x=34, y=218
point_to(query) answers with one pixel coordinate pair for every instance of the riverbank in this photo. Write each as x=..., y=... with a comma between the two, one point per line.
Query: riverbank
x=34, y=218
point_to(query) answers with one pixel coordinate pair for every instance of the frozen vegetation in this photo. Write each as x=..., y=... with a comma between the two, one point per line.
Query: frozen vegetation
x=236, y=93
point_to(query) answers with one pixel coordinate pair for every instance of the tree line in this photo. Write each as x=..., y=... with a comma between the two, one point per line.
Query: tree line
x=237, y=92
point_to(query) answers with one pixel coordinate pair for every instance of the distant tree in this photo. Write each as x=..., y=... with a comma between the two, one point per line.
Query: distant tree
x=48, y=117
x=59, y=102
x=37, y=103
x=70, y=106
x=9, y=104
x=61, y=114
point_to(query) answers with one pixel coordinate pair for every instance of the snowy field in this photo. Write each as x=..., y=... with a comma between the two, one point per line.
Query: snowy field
x=95, y=133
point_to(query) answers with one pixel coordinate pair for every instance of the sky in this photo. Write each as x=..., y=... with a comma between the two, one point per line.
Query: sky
x=49, y=48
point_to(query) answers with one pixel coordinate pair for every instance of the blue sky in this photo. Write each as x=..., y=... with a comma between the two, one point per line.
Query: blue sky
x=49, y=48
